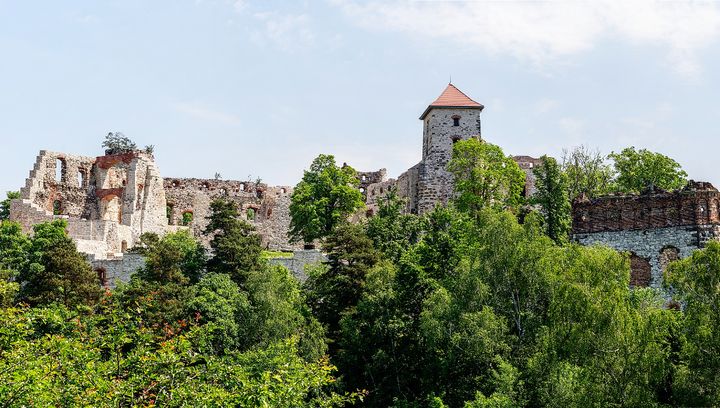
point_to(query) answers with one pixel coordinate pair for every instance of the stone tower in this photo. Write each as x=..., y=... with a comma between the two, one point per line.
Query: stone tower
x=453, y=116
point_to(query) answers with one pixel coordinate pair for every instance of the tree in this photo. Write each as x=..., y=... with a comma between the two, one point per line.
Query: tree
x=338, y=287
x=325, y=197
x=177, y=257
x=587, y=172
x=57, y=272
x=118, y=143
x=552, y=196
x=484, y=176
x=236, y=247
x=638, y=170
x=5, y=204
x=696, y=283
x=393, y=232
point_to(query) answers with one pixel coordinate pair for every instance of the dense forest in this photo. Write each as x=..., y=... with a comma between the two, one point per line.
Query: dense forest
x=485, y=302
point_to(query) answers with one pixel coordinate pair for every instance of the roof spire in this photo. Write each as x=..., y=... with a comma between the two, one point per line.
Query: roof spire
x=450, y=83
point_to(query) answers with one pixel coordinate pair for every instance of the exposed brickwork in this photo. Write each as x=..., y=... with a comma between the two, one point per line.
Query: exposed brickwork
x=656, y=226
x=640, y=271
x=697, y=204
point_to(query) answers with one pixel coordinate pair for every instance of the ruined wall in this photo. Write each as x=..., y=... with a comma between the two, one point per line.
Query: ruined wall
x=112, y=271
x=527, y=164
x=108, y=201
x=656, y=227
x=264, y=207
x=300, y=260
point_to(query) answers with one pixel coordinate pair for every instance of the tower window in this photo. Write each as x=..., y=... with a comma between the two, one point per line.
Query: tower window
x=456, y=120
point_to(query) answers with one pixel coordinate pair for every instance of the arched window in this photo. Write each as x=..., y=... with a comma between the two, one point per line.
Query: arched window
x=82, y=182
x=242, y=187
x=60, y=170
x=102, y=276
x=57, y=207
x=640, y=271
x=169, y=213
x=187, y=218
x=250, y=213
x=456, y=120
x=123, y=247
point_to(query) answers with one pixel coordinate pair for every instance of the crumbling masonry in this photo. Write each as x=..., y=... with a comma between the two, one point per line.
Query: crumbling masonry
x=656, y=227
x=109, y=201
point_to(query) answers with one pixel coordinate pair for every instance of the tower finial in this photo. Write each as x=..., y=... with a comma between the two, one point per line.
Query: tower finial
x=450, y=79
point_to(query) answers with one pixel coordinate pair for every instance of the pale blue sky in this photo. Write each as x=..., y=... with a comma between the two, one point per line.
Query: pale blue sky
x=259, y=89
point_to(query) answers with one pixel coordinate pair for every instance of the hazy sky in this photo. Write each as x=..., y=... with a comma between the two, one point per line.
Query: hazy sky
x=260, y=88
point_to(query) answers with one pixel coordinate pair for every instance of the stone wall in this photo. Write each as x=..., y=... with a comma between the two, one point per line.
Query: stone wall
x=527, y=164
x=266, y=208
x=299, y=261
x=108, y=201
x=655, y=227
x=112, y=271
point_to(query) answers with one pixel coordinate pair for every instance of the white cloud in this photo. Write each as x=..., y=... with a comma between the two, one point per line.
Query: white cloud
x=288, y=32
x=199, y=111
x=546, y=32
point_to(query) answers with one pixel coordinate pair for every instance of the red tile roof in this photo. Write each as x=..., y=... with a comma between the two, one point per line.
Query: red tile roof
x=452, y=98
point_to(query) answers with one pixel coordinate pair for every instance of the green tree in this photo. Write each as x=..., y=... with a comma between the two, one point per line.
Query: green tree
x=338, y=287
x=160, y=291
x=56, y=271
x=696, y=283
x=278, y=311
x=5, y=204
x=178, y=257
x=393, y=232
x=587, y=173
x=219, y=304
x=641, y=169
x=325, y=197
x=236, y=247
x=484, y=176
x=118, y=143
x=552, y=196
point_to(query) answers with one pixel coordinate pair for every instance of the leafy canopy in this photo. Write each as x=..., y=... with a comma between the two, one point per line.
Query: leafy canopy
x=552, y=196
x=638, y=170
x=5, y=204
x=484, y=176
x=118, y=143
x=325, y=197
x=587, y=172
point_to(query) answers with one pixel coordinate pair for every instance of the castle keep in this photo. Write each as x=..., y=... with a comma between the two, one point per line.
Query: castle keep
x=452, y=117
x=109, y=201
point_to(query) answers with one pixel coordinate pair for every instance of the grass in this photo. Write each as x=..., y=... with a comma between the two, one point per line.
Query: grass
x=276, y=254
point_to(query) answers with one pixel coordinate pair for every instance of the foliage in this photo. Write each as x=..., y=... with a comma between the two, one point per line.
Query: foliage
x=236, y=247
x=587, y=173
x=484, y=176
x=55, y=271
x=696, y=281
x=325, y=197
x=393, y=232
x=5, y=204
x=118, y=143
x=176, y=258
x=83, y=364
x=337, y=288
x=552, y=196
x=638, y=170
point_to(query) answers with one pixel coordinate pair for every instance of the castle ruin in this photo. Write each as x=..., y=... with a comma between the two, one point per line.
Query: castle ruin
x=111, y=200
